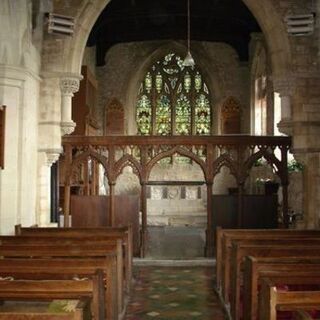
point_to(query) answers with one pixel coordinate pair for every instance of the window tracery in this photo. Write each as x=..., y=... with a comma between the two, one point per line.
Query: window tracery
x=173, y=100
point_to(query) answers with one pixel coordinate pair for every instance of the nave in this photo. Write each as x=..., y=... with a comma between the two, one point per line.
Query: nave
x=174, y=293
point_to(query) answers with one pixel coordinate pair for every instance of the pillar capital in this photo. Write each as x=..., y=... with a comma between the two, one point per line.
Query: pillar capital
x=69, y=85
x=52, y=155
x=67, y=127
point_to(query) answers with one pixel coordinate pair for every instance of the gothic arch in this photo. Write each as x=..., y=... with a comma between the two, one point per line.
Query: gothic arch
x=275, y=34
x=271, y=159
x=209, y=71
x=225, y=161
x=176, y=150
x=264, y=11
x=128, y=160
x=81, y=158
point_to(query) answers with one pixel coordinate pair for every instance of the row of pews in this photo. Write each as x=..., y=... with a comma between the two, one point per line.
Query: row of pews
x=262, y=274
x=93, y=265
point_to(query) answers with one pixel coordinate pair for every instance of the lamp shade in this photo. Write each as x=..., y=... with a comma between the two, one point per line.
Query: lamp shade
x=188, y=60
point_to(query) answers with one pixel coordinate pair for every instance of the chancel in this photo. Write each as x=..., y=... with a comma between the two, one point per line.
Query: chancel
x=154, y=153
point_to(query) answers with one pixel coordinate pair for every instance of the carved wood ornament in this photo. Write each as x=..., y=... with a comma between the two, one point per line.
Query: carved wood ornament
x=231, y=116
x=114, y=118
x=237, y=152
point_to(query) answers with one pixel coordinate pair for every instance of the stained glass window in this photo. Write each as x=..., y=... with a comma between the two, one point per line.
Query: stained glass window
x=183, y=115
x=163, y=116
x=173, y=100
x=144, y=115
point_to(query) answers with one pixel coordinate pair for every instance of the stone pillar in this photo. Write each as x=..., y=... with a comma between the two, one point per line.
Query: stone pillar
x=45, y=159
x=311, y=188
x=285, y=88
x=69, y=84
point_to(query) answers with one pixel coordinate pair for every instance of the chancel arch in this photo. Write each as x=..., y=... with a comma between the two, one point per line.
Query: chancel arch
x=129, y=103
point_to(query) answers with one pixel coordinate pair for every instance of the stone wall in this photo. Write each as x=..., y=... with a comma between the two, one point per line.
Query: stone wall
x=89, y=59
x=126, y=65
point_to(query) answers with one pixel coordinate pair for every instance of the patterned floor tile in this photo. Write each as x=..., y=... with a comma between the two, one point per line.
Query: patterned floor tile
x=175, y=293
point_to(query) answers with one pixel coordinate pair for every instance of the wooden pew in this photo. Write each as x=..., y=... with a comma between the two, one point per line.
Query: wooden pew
x=67, y=269
x=71, y=251
x=224, y=237
x=281, y=270
x=40, y=240
x=57, y=289
x=227, y=236
x=81, y=312
x=226, y=278
x=123, y=233
x=271, y=300
x=239, y=251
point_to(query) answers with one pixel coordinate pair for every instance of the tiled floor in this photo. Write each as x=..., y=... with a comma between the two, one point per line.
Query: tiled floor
x=174, y=293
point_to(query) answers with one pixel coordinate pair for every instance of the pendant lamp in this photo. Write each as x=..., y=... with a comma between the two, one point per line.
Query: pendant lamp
x=188, y=60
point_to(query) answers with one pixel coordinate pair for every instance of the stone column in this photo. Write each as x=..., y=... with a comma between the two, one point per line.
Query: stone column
x=285, y=88
x=311, y=188
x=45, y=159
x=69, y=84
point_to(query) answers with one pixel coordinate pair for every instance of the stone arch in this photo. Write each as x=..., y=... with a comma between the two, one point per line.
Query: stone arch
x=88, y=13
x=275, y=34
x=68, y=59
x=264, y=11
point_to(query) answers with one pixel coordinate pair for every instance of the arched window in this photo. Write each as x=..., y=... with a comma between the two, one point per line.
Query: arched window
x=173, y=100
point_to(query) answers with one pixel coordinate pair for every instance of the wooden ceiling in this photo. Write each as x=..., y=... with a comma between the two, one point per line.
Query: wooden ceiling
x=227, y=21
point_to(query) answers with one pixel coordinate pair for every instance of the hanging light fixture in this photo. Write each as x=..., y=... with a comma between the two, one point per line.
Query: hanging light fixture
x=188, y=60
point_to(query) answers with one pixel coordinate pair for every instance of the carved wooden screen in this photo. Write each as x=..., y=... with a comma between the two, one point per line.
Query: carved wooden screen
x=2, y=134
x=173, y=100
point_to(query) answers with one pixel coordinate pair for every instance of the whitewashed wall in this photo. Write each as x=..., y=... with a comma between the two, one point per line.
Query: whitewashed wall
x=19, y=91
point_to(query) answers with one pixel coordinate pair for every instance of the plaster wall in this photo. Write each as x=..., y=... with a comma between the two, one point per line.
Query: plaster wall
x=19, y=91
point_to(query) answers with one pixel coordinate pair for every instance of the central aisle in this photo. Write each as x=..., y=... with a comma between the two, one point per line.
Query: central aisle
x=174, y=293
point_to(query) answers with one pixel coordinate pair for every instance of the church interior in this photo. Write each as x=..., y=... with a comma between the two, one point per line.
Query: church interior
x=159, y=159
